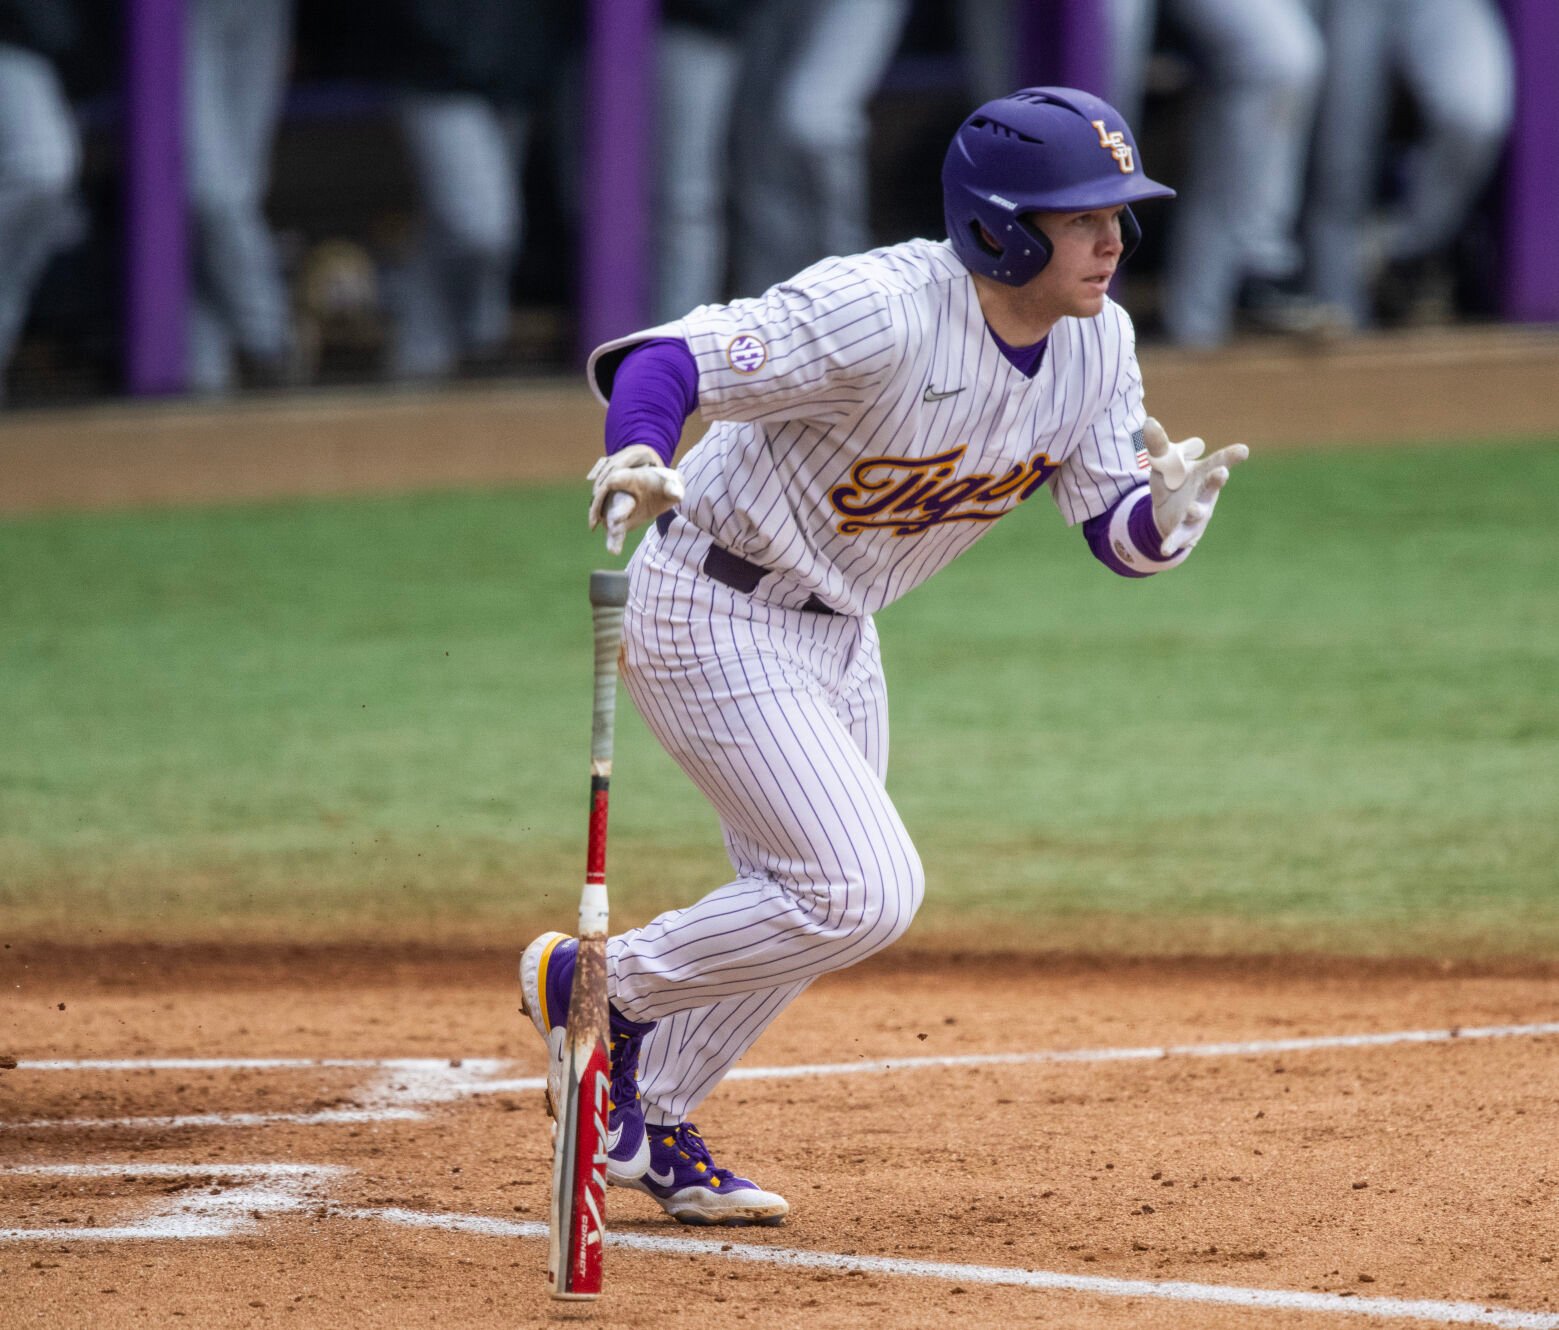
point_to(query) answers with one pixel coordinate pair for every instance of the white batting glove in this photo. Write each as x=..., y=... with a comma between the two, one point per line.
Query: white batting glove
x=1185, y=485
x=637, y=473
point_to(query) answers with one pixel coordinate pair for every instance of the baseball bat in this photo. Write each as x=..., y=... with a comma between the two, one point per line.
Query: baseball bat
x=578, y=1214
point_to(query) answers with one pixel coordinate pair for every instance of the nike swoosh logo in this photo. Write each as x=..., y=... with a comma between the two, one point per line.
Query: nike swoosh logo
x=612, y=1137
x=665, y=1179
x=932, y=395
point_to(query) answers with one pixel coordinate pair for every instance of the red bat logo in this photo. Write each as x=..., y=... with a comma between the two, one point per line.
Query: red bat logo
x=589, y=1228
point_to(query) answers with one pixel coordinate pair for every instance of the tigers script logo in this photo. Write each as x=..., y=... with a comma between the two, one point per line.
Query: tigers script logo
x=909, y=495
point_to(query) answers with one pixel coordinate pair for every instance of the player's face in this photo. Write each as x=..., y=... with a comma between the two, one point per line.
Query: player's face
x=1086, y=247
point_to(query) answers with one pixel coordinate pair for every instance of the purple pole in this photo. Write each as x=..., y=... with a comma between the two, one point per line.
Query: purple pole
x=156, y=241
x=1084, y=47
x=1531, y=195
x=1065, y=43
x=618, y=170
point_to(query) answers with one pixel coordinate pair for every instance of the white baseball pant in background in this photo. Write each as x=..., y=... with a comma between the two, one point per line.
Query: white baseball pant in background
x=40, y=158
x=1454, y=56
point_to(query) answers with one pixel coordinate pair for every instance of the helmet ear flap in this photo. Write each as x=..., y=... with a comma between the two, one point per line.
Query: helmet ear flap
x=981, y=239
x=1131, y=234
x=1039, y=239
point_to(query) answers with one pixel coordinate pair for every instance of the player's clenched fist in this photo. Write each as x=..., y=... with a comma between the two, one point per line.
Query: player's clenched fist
x=638, y=473
x=1185, y=484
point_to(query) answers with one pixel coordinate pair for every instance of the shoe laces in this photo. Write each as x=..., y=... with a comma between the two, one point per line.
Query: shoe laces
x=690, y=1145
x=625, y=1067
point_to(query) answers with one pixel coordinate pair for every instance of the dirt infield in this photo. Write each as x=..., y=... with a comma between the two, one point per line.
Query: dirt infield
x=1166, y=1144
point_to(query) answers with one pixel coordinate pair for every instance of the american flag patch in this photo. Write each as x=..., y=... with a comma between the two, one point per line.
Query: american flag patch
x=1144, y=463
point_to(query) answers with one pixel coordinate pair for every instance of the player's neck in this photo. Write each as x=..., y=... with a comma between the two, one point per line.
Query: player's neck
x=1013, y=312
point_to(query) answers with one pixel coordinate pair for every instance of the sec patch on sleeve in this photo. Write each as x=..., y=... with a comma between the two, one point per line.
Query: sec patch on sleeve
x=747, y=354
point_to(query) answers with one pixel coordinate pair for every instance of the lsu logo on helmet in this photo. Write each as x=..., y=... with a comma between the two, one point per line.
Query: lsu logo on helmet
x=1117, y=146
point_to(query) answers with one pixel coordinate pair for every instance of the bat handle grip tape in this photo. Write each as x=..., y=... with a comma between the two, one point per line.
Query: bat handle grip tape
x=608, y=595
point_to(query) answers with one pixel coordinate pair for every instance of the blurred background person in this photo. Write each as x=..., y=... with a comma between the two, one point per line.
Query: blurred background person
x=764, y=138
x=699, y=62
x=1453, y=60
x=801, y=142
x=989, y=51
x=466, y=75
x=238, y=53
x=1233, y=235
x=45, y=56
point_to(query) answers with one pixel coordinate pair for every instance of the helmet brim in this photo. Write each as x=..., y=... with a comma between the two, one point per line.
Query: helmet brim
x=1091, y=195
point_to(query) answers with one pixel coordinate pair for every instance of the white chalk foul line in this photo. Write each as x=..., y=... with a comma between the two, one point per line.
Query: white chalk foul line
x=1442, y=1313
x=270, y=1189
x=222, y=1064
x=265, y=1189
x=328, y=1117
x=406, y=1083
x=397, y=1094
x=1152, y=1053
x=1251, y=1048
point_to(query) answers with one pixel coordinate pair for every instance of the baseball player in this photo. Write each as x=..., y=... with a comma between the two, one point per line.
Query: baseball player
x=872, y=417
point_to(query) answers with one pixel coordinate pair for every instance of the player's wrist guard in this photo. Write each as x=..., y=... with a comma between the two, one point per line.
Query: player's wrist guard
x=1134, y=538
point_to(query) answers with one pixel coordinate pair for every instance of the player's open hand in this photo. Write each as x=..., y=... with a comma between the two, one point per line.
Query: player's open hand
x=636, y=473
x=1184, y=484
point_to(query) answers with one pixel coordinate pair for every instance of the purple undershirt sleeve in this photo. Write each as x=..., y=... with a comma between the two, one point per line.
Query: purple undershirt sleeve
x=1140, y=529
x=654, y=391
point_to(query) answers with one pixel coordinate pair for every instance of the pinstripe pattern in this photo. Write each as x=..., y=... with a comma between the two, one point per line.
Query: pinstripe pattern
x=850, y=347
x=828, y=466
x=780, y=718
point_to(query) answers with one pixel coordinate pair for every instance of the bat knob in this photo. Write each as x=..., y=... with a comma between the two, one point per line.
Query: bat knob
x=609, y=587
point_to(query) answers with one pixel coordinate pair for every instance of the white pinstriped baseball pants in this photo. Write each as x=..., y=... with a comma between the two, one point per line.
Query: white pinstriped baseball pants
x=779, y=716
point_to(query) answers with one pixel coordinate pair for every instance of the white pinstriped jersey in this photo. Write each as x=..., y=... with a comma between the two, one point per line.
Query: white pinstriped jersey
x=868, y=429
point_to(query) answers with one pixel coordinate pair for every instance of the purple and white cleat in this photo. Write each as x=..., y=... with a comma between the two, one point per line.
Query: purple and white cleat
x=692, y=1189
x=546, y=983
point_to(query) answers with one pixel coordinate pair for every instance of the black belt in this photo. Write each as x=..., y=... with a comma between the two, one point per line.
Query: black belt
x=736, y=572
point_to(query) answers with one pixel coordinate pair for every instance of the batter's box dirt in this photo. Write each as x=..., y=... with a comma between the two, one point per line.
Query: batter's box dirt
x=1381, y=1176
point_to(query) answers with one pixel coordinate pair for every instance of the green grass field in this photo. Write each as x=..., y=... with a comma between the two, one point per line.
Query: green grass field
x=1336, y=729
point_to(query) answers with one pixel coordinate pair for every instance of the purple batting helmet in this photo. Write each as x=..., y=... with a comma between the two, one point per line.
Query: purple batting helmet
x=1037, y=150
